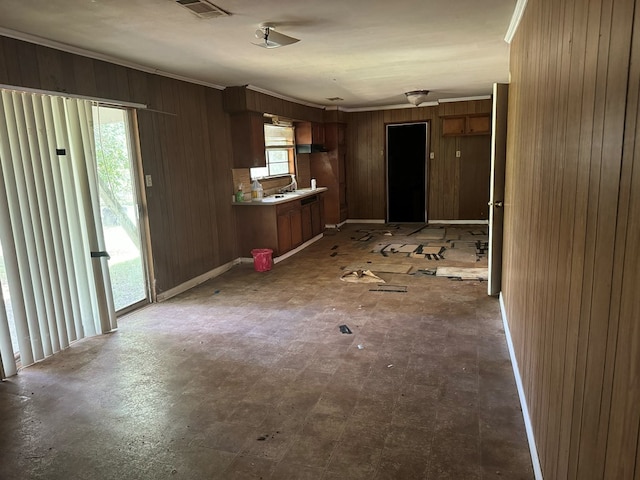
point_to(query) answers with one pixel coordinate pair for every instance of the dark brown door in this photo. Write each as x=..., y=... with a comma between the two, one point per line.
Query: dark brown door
x=496, y=194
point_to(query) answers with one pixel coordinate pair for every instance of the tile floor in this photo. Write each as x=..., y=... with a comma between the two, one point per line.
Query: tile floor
x=248, y=376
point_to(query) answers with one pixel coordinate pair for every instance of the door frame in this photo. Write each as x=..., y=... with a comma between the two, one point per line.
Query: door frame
x=426, y=165
x=139, y=185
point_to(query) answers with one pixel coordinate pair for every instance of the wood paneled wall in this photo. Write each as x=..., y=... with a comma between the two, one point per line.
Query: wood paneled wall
x=571, y=277
x=450, y=179
x=187, y=151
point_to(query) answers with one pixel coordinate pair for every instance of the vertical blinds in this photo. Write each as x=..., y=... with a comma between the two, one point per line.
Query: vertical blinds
x=50, y=232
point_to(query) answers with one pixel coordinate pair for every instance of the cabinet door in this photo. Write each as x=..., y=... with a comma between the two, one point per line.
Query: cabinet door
x=284, y=233
x=247, y=138
x=296, y=228
x=479, y=125
x=317, y=133
x=453, y=125
x=316, y=219
x=307, y=232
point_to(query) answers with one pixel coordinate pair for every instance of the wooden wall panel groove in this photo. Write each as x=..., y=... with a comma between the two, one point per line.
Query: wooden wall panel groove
x=571, y=234
x=624, y=420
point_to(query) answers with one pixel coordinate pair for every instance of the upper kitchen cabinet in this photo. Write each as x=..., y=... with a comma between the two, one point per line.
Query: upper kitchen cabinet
x=479, y=124
x=247, y=137
x=310, y=137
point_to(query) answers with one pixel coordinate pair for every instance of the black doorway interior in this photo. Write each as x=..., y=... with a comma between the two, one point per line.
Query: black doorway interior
x=406, y=172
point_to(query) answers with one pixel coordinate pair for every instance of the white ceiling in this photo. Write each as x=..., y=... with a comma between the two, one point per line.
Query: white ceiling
x=367, y=52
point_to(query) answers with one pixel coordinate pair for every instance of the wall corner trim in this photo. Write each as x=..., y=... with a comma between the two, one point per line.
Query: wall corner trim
x=535, y=460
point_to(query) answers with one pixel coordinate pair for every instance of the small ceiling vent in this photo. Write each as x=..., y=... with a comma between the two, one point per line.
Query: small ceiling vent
x=203, y=9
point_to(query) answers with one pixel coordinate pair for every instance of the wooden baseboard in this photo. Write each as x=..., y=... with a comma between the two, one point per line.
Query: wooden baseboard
x=535, y=460
x=183, y=287
x=458, y=222
x=364, y=220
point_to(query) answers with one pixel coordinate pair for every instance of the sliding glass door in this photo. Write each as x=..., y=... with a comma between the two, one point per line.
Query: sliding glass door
x=119, y=206
x=70, y=252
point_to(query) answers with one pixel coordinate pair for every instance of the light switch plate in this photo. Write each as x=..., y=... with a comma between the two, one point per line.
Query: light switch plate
x=432, y=155
x=147, y=181
x=457, y=153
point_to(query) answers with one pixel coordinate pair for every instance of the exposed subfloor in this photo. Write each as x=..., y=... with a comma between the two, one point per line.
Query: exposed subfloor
x=248, y=376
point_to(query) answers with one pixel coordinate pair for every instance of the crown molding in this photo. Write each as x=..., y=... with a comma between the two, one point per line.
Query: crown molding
x=386, y=107
x=464, y=99
x=284, y=97
x=27, y=37
x=518, y=12
x=408, y=105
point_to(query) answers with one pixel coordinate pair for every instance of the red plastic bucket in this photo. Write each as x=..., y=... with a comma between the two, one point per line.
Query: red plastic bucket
x=262, y=260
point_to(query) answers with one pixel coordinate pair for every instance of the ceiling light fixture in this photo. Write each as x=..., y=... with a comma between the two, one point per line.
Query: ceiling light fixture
x=271, y=38
x=416, y=97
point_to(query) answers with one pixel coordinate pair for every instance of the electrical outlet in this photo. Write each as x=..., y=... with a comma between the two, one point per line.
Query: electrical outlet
x=457, y=153
x=147, y=180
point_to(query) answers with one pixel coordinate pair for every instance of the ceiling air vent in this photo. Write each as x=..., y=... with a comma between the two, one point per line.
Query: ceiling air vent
x=203, y=9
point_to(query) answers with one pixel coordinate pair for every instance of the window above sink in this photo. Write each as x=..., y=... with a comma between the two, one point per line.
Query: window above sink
x=279, y=152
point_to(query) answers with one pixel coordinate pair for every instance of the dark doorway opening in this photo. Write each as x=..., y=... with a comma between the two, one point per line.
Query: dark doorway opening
x=407, y=172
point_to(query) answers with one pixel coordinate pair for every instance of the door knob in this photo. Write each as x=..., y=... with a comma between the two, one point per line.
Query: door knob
x=497, y=204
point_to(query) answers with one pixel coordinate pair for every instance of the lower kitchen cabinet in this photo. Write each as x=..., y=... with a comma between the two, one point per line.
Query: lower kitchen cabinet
x=307, y=231
x=317, y=218
x=289, y=218
x=280, y=227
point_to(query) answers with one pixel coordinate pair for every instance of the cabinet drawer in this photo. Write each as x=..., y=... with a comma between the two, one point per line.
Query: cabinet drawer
x=287, y=207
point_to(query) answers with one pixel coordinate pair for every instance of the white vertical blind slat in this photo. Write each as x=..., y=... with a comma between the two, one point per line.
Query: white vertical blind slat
x=49, y=222
x=10, y=256
x=79, y=223
x=59, y=227
x=40, y=221
x=31, y=223
x=102, y=278
x=80, y=124
x=76, y=265
x=8, y=367
x=23, y=235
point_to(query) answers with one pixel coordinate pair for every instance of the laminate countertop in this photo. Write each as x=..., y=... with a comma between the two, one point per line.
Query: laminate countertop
x=282, y=197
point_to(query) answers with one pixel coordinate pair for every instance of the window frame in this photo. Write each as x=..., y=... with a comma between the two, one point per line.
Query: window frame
x=291, y=156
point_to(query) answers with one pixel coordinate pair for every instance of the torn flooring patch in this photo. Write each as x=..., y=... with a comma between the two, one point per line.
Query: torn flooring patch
x=470, y=273
x=361, y=276
x=381, y=267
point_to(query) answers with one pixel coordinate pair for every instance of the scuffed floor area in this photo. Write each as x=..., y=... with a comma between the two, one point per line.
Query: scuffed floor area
x=249, y=376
